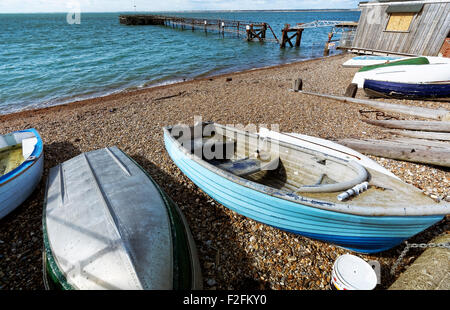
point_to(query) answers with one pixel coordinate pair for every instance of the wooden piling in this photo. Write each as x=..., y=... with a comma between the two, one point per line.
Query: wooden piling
x=299, y=37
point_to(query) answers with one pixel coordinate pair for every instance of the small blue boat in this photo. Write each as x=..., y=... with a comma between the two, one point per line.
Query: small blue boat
x=300, y=189
x=426, y=91
x=21, y=166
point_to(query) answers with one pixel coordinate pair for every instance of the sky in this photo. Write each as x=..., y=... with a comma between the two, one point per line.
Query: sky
x=38, y=6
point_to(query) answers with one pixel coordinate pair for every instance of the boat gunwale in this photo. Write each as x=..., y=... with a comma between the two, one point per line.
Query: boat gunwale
x=437, y=209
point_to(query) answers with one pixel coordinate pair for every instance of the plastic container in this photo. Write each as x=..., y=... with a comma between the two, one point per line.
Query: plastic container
x=352, y=273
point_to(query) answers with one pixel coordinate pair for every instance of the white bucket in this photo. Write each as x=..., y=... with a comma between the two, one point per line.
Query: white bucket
x=352, y=273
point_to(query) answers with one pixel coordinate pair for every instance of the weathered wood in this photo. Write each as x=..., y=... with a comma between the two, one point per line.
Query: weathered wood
x=439, y=126
x=407, y=151
x=423, y=142
x=351, y=90
x=421, y=134
x=299, y=37
x=425, y=35
x=297, y=85
x=440, y=114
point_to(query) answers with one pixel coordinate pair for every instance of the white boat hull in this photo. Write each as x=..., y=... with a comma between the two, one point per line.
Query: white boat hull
x=361, y=61
x=432, y=73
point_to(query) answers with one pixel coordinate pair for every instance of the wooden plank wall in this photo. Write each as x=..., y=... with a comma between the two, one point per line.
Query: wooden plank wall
x=427, y=32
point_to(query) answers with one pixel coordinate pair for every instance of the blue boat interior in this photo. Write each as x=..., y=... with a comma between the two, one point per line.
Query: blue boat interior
x=17, y=152
x=289, y=169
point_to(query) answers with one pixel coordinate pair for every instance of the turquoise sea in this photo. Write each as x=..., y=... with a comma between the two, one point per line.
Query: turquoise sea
x=45, y=61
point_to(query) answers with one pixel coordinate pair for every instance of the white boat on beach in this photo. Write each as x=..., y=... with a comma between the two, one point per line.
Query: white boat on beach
x=431, y=73
x=108, y=225
x=362, y=61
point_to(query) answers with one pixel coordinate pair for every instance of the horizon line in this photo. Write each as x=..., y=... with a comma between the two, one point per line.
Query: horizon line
x=200, y=10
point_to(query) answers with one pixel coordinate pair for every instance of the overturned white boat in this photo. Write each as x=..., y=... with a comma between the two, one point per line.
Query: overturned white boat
x=108, y=225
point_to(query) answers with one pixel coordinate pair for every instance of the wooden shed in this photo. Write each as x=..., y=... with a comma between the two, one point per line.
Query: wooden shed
x=403, y=27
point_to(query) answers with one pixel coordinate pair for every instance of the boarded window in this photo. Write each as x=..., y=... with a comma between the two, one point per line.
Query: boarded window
x=400, y=21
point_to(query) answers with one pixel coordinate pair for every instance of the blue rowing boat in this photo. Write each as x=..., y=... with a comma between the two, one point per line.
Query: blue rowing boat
x=21, y=166
x=386, y=89
x=301, y=190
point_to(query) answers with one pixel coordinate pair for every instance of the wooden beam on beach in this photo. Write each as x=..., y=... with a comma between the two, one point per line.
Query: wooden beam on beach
x=436, y=126
x=407, y=150
x=442, y=136
x=438, y=114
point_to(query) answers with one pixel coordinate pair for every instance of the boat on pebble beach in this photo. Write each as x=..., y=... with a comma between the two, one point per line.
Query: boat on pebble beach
x=414, y=91
x=401, y=62
x=368, y=60
x=376, y=60
x=301, y=189
x=21, y=166
x=434, y=73
x=108, y=225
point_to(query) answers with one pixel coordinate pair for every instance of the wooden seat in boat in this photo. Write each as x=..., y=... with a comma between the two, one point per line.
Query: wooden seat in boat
x=247, y=166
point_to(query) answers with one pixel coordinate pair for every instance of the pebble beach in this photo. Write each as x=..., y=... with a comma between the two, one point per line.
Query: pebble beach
x=235, y=252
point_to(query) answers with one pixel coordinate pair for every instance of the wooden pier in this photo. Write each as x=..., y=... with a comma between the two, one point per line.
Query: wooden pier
x=249, y=30
x=338, y=26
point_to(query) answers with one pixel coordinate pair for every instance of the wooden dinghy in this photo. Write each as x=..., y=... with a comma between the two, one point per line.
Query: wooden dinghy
x=21, y=166
x=401, y=62
x=300, y=189
x=413, y=74
x=108, y=225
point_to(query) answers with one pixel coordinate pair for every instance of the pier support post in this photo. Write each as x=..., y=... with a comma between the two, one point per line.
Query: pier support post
x=284, y=36
x=263, y=31
x=326, y=51
x=249, y=29
x=299, y=37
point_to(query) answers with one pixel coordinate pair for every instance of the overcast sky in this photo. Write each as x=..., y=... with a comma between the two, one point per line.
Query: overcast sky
x=13, y=6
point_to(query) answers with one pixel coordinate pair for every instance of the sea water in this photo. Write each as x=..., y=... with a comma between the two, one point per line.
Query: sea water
x=46, y=60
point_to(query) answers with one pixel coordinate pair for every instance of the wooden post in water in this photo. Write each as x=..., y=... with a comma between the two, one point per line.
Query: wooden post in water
x=247, y=29
x=299, y=37
x=263, y=31
x=284, y=36
x=326, y=51
x=237, y=28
